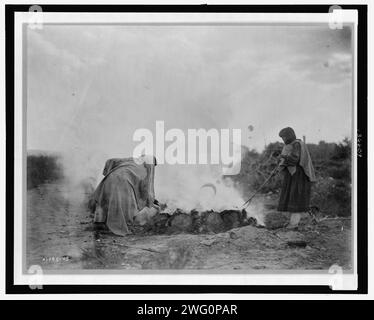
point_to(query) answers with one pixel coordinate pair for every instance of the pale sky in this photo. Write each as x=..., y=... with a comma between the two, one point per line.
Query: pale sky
x=90, y=87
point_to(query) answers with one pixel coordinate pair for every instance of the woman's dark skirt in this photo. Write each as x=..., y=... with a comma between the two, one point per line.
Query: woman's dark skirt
x=295, y=193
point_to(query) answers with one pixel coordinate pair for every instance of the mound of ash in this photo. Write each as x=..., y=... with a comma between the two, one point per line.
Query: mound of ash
x=198, y=222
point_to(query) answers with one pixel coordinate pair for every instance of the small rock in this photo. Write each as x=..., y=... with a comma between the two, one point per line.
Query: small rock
x=259, y=267
x=297, y=243
x=233, y=235
x=208, y=242
x=276, y=220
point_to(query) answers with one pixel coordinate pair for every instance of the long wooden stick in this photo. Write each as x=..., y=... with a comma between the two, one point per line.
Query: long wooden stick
x=245, y=204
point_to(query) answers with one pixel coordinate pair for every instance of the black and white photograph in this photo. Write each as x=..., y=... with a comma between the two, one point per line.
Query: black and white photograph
x=186, y=148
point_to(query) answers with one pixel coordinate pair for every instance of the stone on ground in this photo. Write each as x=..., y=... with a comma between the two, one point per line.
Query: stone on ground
x=276, y=220
x=181, y=222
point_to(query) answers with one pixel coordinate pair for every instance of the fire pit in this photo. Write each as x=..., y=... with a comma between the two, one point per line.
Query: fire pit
x=198, y=222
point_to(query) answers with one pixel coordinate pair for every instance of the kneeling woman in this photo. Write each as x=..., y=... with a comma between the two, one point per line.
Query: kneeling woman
x=298, y=174
x=127, y=188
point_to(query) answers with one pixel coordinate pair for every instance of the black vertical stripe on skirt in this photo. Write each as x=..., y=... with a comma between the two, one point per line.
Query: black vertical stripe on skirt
x=295, y=192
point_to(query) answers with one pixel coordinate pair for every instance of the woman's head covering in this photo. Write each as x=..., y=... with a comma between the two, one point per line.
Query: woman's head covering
x=146, y=159
x=288, y=134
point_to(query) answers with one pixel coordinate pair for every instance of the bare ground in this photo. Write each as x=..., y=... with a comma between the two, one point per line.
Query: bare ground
x=60, y=236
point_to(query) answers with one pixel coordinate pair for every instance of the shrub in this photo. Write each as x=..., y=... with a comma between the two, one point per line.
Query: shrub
x=332, y=196
x=42, y=169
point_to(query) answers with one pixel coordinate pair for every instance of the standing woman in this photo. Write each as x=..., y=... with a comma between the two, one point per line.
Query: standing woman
x=298, y=174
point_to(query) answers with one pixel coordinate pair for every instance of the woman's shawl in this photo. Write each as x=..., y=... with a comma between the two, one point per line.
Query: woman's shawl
x=146, y=186
x=126, y=188
x=305, y=160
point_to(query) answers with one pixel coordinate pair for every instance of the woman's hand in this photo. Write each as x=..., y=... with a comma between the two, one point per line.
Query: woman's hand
x=278, y=170
x=282, y=160
x=158, y=208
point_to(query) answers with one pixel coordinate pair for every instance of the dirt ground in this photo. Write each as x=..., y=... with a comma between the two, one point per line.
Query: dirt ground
x=60, y=236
